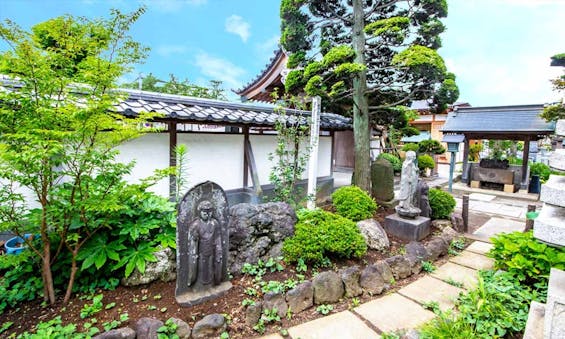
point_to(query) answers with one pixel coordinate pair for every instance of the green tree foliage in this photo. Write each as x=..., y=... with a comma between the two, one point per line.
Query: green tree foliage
x=430, y=147
x=394, y=161
x=319, y=235
x=58, y=131
x=365, y=58
x=179, y=87
x=353, y=203
x=442, y=204
x=425, y=161
x=556, y=111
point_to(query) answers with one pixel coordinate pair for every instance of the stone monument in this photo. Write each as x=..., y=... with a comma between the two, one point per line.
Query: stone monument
x=382, y=182
x=202, y=245
x=423, y=199
x=406, y=223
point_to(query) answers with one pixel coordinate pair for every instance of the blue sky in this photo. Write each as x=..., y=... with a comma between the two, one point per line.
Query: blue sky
x=499, y=49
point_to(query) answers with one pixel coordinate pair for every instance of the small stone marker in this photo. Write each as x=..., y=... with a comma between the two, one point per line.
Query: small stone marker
x=382, y=180
x=202, y=245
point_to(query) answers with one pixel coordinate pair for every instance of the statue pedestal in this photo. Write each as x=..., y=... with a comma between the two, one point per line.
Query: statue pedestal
x=191, y=298
x=407, y=229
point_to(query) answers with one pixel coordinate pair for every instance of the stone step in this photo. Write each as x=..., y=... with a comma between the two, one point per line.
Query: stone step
x=554, y=324
x=339, y=325
x=535, y=323
x=557, y=160
x=549, y=226
x=553, y=191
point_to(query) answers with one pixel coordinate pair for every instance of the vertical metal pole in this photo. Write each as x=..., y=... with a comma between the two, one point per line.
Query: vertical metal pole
x=173, y=160
x=313, y=159
x=451, y=169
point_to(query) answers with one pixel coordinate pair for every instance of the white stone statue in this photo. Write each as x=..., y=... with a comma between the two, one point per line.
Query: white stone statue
x=408, y=187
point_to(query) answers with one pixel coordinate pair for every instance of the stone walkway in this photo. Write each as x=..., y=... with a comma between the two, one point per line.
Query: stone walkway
x=403, y=309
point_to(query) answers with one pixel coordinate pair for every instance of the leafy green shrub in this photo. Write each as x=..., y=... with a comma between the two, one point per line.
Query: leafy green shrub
x=394, y=161
x=526, y=258
x=540, y=169
x=496, y=308
x=20, y=279
x=442, y=203
x=474, y=151
x=319, y=234
x=410, y=147
x=353, y=203
x=426, y=161
x=431, y=147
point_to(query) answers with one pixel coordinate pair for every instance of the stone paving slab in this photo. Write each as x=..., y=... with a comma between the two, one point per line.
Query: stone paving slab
x=473, y=260
x=451, y=271
x=428, y=289
x=393, y=312
x=492, y=207
x=272, y=336
x=480, y=247
x=481, y=197
x=340, y=325
x=499, y=225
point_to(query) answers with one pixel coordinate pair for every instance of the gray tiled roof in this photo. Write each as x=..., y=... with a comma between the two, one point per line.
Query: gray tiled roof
x=217, y=112
x=501, y=119
x=277, y=53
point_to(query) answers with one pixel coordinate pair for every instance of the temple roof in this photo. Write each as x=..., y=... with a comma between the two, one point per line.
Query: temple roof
x=199, y=110
x=260, y=88
x=523, y=119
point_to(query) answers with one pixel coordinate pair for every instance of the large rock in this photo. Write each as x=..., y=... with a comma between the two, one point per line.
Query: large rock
x=374, y=234
x=449, y=234
x=146, y=328
x=272, y=300
x=371, y=280
x=386, y=272
x=253, y=313
x=436, y=248
x=415, y=254
x=328, y=288
x=440, y=224
x=257, y=232
x=350, y=277
x=183, y=329
x=211, y=326
x=301, y=297
x=163, y=269
x=118, y=333
x=382, y=180
x=400, y=266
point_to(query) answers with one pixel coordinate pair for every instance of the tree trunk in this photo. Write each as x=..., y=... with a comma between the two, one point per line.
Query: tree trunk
x=48, y=287
x=360, y=108
x=74, y=269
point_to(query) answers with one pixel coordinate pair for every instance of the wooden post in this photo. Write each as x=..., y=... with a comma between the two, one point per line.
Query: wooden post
x=465, y=174
x=245, y=160
x=530, y=222
x=253, y=168
x=525, y=156
x=465, y=213
x=172, y=126
x=313, y=158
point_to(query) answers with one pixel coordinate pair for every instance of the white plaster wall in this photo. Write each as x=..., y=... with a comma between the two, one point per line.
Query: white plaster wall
x=150, y=152
x=214, y=157
x=264, y=144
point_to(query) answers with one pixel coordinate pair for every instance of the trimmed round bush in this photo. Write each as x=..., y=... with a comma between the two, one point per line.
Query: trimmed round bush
x=353, y=203
x=426, y=161
x=541, y=169
x=319, y=235
x=442, y=204
x=411, y=147
x=394, y=161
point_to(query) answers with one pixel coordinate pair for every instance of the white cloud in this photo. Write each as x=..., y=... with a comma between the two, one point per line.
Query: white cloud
x=168, y=50
x=236, y=25
x=220, y=69
x=168, y=6
x=268, y=46
x=485, y=82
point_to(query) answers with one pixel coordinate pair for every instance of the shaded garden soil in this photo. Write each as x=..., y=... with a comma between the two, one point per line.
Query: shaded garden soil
x=158, y=300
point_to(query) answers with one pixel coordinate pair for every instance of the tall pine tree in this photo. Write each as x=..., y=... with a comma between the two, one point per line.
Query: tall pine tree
x=367, y=58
